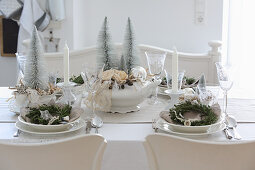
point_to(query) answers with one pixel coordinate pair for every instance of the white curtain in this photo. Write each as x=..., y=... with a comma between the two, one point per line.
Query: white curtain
x=241, y=43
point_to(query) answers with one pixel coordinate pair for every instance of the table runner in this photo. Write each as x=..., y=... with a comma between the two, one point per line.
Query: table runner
x=146, y=113
x=242, y=109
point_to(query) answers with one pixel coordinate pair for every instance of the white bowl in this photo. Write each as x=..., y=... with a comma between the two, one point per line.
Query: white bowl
x=47, y=128
x=190, y=129
x=128, y=99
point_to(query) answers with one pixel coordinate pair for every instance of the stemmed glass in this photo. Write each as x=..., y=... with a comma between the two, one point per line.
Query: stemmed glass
x=155, y=61
x=92, y=82
x=169, y=80
x=226, y=82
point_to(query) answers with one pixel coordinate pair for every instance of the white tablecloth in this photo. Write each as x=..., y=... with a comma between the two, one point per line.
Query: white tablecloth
x=124, y=150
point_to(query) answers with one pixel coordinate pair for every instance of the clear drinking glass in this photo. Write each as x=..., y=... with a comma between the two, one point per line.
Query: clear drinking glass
x=155, y=61
x=169, y=79
x=209, y=95
x=91, y=77
x=21, y=59
x=53, y=77
x=226, y=82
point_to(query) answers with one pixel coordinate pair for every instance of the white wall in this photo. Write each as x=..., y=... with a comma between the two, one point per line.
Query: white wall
x=80, y=9
x=162, y=23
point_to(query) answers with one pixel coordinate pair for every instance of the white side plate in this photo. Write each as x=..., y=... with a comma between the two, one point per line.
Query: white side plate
x=47, y=128
x=76, y=126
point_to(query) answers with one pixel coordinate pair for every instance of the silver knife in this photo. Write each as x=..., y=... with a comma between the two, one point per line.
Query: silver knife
x=16, y=134
x=88, y=127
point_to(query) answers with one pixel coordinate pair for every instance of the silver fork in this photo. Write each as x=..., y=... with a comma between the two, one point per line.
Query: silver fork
x=96, y=131
x=227, y=133
x=154, y=125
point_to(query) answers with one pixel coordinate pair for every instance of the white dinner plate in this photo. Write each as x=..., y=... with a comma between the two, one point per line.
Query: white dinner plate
x=212, y=130
x=76, y=126
x=188, y=129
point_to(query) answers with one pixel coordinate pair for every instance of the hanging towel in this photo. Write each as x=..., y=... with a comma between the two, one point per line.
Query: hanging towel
x=8, y=7
x=32, y=14
x=57, y=9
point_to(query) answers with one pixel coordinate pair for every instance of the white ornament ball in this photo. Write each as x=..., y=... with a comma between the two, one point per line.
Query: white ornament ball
x=139, y=73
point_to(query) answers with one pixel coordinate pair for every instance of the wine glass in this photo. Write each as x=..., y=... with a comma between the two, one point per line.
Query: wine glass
x=225, y=81
x=92, y=82
x=155, y=61
x=169, y=80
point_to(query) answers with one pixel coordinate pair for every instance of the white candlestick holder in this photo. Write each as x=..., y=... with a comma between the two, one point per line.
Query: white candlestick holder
x=67, y=97
x=174, y=98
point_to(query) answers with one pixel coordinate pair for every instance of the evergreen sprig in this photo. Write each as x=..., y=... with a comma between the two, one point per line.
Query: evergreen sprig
x=207, y=114
x=35, y=116
x=77, y=79
x=189, y=80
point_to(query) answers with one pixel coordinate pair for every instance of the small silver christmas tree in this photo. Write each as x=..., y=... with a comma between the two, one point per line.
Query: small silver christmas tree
x=202, y=83
x=129, y=48
x=123, y=65
x=35, y=74
x=105, y=51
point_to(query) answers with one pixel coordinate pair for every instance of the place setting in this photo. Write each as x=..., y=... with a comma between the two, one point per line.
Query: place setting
x=195, y=111
x=36, y=102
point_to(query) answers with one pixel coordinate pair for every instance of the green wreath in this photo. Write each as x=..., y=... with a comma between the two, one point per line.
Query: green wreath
x=207, y=114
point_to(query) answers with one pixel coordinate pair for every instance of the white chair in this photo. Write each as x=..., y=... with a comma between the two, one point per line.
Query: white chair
x=194, y=64
x=166, y=152
x=79, y=153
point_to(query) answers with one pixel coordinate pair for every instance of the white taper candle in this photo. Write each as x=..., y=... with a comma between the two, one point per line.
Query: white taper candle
x=66, y=64
x=175, y=71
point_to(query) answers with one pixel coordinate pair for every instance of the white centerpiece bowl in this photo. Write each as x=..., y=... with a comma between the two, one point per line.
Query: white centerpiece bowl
x=128, y=99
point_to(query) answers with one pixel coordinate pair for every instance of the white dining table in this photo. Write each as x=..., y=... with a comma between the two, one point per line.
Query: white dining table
x=125, y=141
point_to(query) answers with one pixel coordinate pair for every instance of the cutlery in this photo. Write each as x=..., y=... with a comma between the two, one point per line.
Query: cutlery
x=154, y=125
x=232, y=124
x=88, y=127
x=16, y=134
x=96, y=123
x=96, y=129
x=227, y=133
